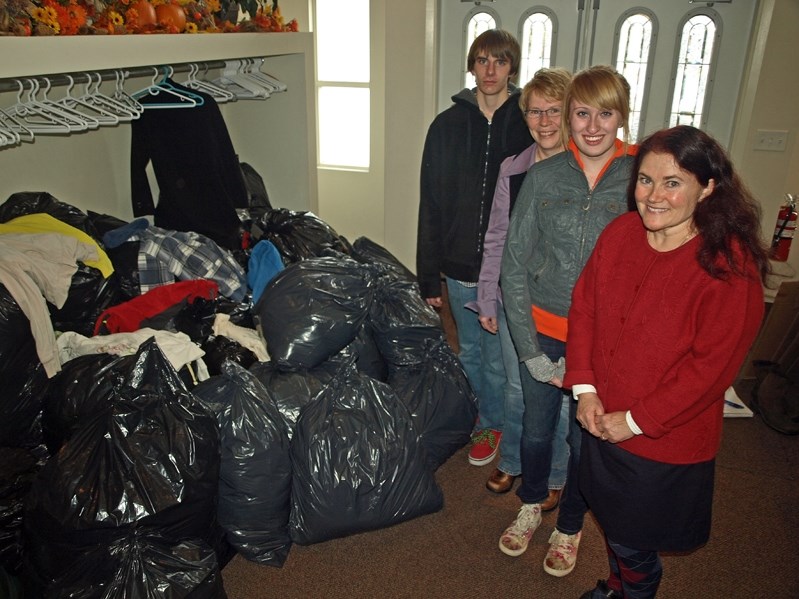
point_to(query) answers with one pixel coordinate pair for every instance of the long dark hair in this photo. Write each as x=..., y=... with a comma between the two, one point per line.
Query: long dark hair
x=729, y=213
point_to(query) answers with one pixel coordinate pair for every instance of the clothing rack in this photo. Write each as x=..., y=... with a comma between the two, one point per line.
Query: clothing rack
x=35, y=113
x=61, y=79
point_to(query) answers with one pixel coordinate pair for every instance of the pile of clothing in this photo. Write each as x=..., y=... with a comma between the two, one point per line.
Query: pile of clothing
x=177, y=402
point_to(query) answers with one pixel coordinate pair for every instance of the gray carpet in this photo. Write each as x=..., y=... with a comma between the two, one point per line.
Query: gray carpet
x=453, y=554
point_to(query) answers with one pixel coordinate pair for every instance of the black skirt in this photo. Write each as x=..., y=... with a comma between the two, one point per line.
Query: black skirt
x=643, y=504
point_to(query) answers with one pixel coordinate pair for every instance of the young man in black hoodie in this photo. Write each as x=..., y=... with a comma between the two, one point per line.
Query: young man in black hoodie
x=464, y=147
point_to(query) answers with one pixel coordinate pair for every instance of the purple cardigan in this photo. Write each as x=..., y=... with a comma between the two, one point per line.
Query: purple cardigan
x=488, y=292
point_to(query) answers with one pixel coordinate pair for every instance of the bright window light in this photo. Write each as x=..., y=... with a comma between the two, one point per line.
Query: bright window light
x=344, y=126
x=342, y=83
x=342, y=40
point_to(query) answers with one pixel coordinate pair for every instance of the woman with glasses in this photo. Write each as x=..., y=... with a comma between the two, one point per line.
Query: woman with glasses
x=564, y=204
x=541, y=103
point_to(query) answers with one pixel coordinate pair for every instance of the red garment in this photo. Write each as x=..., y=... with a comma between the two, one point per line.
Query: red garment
x=129, y=316
x=656, y=335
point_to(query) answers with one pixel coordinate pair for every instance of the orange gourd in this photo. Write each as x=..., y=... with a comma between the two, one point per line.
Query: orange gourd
x=146, y=12
x=171, y=14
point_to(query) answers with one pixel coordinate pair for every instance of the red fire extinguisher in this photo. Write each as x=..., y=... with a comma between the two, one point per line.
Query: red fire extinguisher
x=784, y=229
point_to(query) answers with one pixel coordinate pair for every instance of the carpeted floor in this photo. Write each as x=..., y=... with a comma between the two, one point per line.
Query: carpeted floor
x=453, y=554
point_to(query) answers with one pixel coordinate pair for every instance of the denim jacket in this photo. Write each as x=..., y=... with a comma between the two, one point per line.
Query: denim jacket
x=553, y=229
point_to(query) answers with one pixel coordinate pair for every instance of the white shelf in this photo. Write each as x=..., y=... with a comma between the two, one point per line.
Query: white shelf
x=28, y=56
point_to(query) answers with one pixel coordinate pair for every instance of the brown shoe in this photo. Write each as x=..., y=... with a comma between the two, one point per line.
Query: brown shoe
x=552, y=500
x=500, y=482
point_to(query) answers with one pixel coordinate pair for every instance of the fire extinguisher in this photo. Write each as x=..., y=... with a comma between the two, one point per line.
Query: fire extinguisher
x=784, y=229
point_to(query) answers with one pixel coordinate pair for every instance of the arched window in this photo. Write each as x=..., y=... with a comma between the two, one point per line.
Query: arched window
x=537, y=38
x=695, y=64
x=477, y=23
x=636, y=35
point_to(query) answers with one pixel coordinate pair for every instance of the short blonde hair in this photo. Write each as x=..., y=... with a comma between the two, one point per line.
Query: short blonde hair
x=600, y=86
x=548, y=83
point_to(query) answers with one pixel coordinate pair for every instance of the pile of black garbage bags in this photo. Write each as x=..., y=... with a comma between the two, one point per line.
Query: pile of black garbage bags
x=124, y=476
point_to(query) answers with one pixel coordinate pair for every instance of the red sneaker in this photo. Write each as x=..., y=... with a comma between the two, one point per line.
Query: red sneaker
x=485, y=444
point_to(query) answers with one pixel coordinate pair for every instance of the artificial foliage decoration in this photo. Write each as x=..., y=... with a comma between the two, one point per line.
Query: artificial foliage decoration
x=119, y=17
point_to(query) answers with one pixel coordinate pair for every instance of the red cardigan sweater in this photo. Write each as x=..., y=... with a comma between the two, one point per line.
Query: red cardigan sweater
x=656, y=335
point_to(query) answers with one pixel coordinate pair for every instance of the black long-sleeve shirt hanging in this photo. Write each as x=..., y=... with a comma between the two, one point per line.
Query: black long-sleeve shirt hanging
x=197, y=170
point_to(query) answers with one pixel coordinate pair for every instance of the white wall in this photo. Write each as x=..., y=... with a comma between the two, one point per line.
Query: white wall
x=770, y=96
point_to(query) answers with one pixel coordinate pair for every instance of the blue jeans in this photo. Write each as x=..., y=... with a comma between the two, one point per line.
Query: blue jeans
x=510, y=445
x=481, y=357
x=542, y=406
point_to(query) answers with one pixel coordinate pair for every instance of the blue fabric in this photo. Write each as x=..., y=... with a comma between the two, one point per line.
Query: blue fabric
x=118, y=236
x=510, y=445
x=264, y=264
x=481, y=357
x=542, y=406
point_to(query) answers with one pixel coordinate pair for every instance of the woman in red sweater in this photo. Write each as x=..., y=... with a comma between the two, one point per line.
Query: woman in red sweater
x=661, y=319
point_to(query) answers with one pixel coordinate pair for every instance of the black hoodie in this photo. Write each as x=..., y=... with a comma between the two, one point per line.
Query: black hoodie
x=460, y=165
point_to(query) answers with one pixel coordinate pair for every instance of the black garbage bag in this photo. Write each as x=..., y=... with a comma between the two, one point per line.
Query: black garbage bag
x=257, y=195
x=313, y=309
x=367, y=251
x=18, y=467
x=149, y=459
x=297, y=235
x=219, y=349
x=125, y=258
x=255, y=471
x=142, y=564
x=440, y=400
x=240, y=313
x=368, y=358
x=775, y=396
x=292, y=390
x=196, y=319
x=90, y=294
x=402, y=323
x=86, y=385
x=357, y=461
x=32, y=202
x=22, y=377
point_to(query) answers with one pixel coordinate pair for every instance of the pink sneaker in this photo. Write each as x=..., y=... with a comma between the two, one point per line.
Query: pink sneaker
x=562, y=554
x=517, y=536
x=485, y=445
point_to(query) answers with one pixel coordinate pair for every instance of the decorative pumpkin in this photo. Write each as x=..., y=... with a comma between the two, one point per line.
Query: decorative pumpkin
x=146, y=12
x=171, y=14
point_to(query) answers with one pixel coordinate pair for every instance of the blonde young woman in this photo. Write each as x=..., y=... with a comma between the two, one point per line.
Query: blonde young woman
x=564, y=204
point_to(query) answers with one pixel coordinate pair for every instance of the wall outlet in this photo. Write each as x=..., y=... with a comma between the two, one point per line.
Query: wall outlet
x=773, y=141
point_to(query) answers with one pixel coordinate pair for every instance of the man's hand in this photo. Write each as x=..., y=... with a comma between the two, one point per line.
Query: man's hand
x=434, y=301
x=489, y=323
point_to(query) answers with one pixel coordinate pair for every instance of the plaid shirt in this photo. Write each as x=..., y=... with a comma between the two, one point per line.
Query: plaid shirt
x=166, y=255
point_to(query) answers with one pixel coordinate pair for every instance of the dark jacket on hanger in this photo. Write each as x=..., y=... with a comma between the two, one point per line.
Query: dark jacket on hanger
x=199, y=179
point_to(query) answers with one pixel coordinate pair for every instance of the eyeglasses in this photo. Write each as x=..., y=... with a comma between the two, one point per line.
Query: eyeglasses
x=537, y=114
